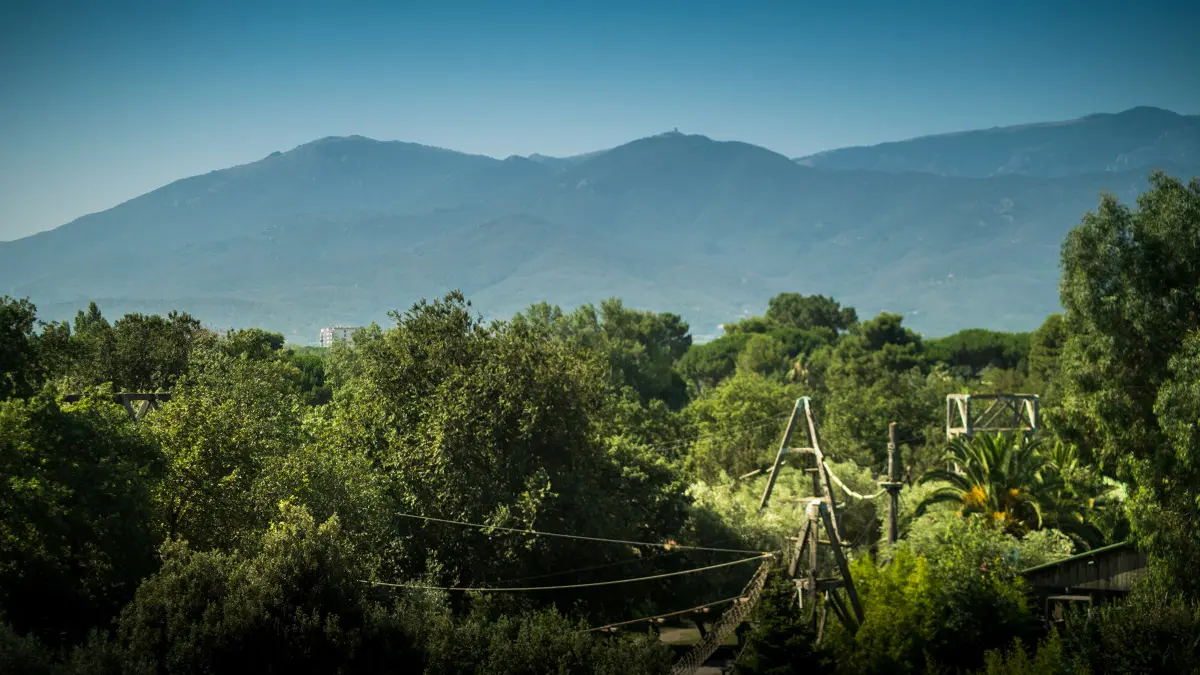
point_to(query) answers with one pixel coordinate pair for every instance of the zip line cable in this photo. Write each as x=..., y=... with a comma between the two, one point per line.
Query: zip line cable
x=617, y=563
x=603, y=540
x=663, y=616
x=519, y=589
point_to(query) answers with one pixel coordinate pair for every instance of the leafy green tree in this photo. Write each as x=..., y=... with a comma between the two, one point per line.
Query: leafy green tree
x=20, y=370
x=497, y=424
x=874, y=376
x=975, y=349
x=705, y=365
x=230, y=420
x=738, y=425
x=151, y=352
x=641, y=347
x=92, y=349
x=765, y=356
x=1131, y=291
x=136, y=353
x=954, y=599
x=293, y=602
x=810, y=311
x=310, y=378
x=1045, y=346
x=76, y=526
x=253, y=343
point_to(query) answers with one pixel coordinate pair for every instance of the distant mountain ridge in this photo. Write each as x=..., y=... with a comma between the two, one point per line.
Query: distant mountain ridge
x=1136, y=138
x=343, y=229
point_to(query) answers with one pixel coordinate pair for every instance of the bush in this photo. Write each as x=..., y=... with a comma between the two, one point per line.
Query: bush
x=945, y=599
x=1050, y=658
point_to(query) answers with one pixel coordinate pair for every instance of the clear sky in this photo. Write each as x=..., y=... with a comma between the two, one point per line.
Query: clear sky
x=103, y=101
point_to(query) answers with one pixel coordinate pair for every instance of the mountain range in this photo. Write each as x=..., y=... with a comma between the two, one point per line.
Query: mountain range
x=953, y=231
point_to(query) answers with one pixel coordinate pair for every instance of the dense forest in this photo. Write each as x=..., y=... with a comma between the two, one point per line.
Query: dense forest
x=306, y=510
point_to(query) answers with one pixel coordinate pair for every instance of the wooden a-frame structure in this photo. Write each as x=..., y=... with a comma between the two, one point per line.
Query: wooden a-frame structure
x=811, y=582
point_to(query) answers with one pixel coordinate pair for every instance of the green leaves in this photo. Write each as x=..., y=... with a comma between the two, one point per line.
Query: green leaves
x=1020, y=485
x=20, y=372
x=75, y=513
x=1131, y=289
x=231, y=421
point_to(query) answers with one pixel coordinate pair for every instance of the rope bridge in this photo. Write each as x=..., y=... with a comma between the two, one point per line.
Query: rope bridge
x=729, y=621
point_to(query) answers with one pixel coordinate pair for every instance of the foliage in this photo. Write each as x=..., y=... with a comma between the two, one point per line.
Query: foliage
x=763, y=355
x=807, y=312
x=293, y=602
x=1049, y=658
x=229, y=422
x=1131, y=290
x=738, y=425
x=499, y=424
x=781, y=641
x=1152, y=631
x=137, y=353
x=736, y=504
x=954, y=600
x=969, y=352
x=75, y=506
x=1045, y=348
x=932, y=532
x=493, y=642
x=704, y=366
x=641, y=347
x=874, y=376
x=19, y=363
x=1020, y=485
x=23, y=654
x=1002, y=478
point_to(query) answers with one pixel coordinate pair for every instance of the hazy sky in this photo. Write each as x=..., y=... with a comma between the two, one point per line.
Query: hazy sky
x=103, y=101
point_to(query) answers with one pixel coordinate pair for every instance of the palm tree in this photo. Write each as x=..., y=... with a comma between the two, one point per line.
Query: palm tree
x=1003, y=478
x=1081, y=499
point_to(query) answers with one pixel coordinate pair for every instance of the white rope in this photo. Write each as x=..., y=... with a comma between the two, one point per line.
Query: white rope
x=847, y=490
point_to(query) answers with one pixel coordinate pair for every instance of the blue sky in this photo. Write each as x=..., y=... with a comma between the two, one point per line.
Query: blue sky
x=103, y=101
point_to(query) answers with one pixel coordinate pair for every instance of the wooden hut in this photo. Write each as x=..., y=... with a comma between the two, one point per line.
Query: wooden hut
x=1088, y=578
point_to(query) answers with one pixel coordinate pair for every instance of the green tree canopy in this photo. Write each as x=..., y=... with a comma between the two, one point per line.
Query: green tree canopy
x=76, y=525
x=19, y=365
x=807, y=312
x=1131, y=290
x=641, y=347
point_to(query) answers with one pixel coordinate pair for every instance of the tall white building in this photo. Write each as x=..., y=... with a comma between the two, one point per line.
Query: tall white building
x=336, y=334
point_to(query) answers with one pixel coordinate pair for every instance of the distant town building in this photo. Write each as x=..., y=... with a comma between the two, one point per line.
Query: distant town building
x=336, y=334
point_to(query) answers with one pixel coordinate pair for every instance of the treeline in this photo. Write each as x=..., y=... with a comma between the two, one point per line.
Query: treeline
x=287, y=509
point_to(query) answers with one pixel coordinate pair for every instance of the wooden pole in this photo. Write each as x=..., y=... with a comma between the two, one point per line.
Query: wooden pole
x=843, y=565
x=783, y=448
x=893, y=487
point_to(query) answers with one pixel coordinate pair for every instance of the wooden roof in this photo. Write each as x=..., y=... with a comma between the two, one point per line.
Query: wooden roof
x=1110, y=568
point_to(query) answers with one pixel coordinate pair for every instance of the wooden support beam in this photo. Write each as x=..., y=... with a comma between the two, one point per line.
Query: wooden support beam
x=798, y=551
x=843, y=568
x=840, y=609
x=787, y=436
